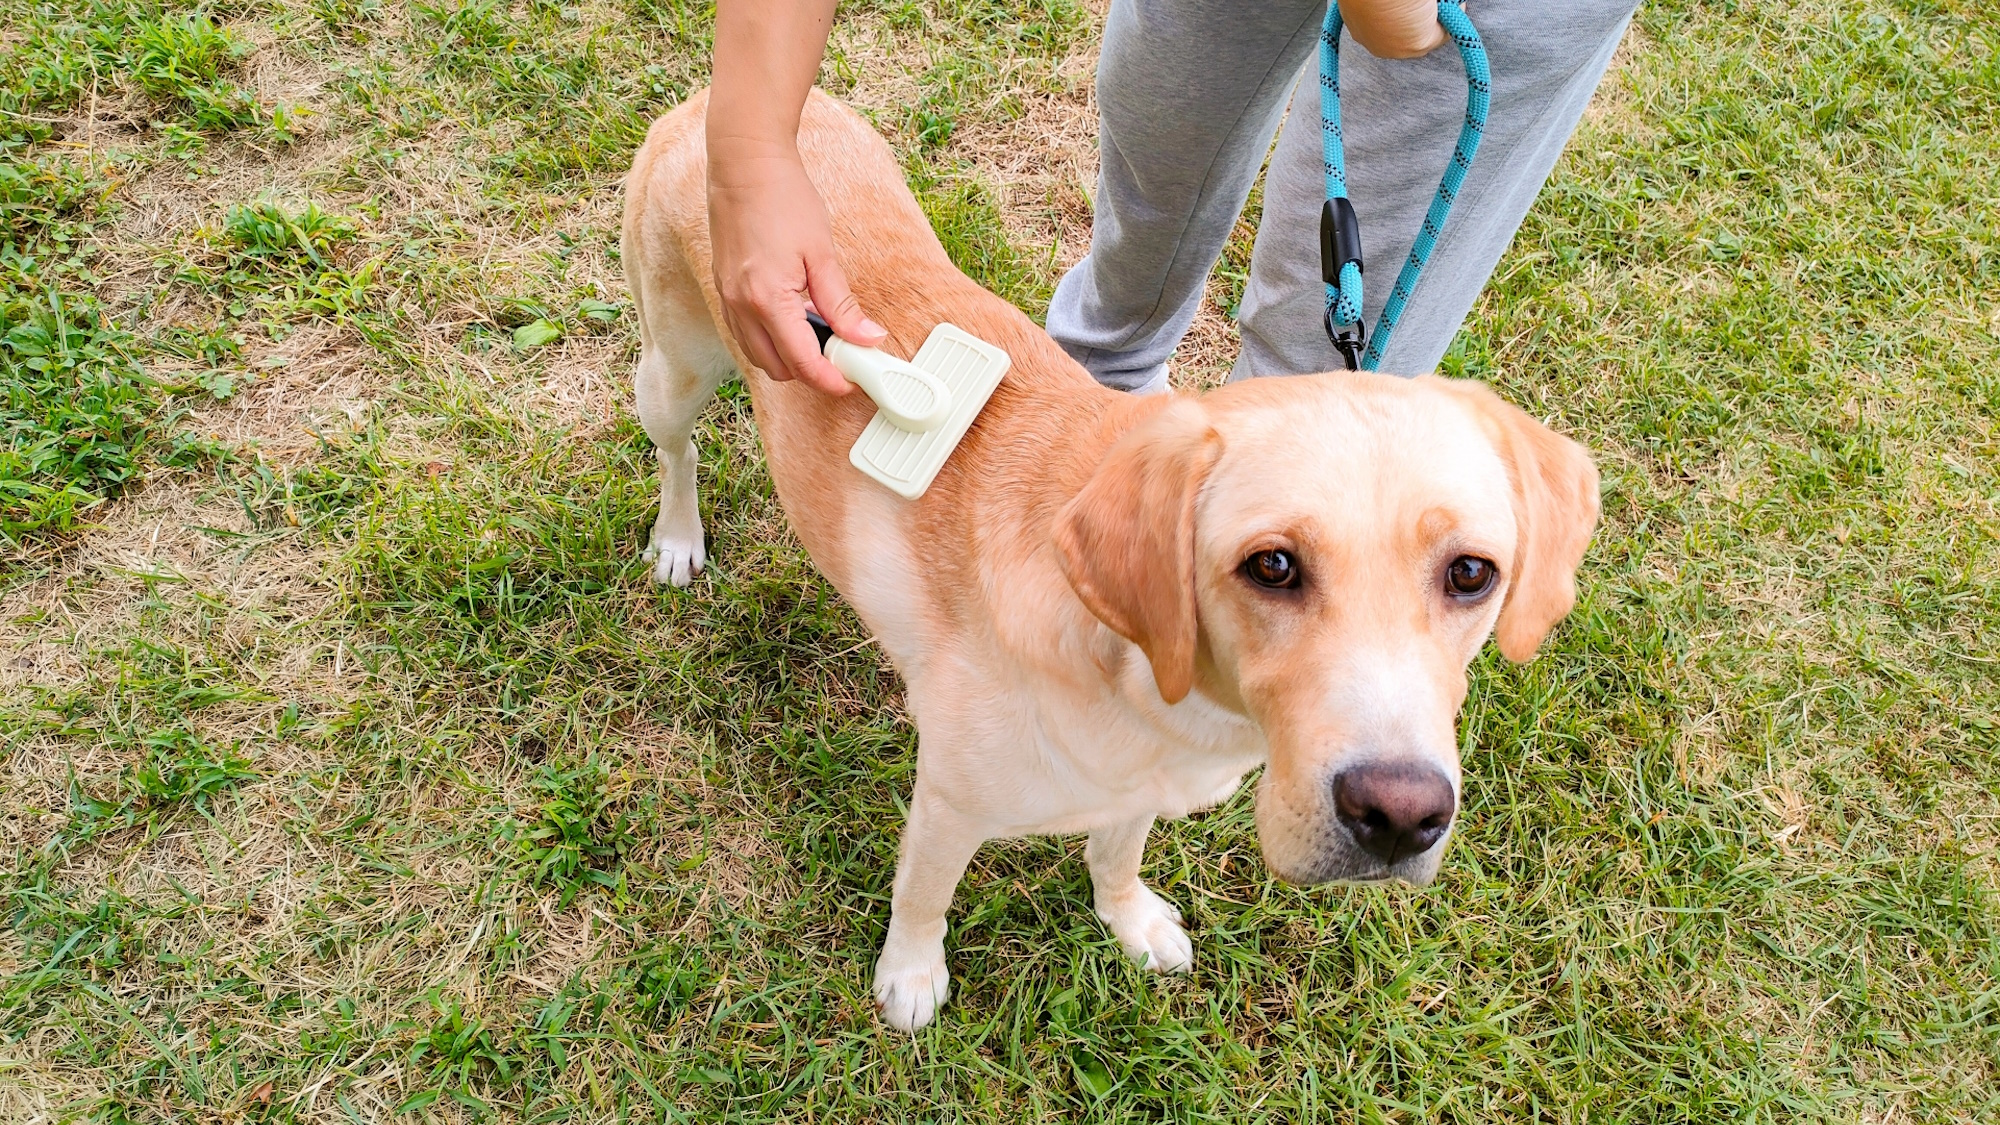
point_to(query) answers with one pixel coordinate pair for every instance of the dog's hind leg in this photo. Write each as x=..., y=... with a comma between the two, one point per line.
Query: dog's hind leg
x=911, y=981
x=1147, y=926
x=681, y=362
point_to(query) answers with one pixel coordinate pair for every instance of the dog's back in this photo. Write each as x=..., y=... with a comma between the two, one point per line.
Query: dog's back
x=902, y=276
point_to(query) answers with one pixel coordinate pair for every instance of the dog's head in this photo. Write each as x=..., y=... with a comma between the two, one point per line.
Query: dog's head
x=1326, y=554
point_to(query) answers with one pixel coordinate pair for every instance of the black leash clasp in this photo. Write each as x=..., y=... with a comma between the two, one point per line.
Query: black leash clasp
x=1339, y=244
x=1348, y=340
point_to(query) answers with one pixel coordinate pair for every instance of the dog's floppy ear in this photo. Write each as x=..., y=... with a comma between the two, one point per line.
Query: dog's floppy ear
x=1126, y=542
x=1555, y=509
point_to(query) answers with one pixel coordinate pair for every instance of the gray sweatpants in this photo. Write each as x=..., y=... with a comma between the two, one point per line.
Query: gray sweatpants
x=1189, y=93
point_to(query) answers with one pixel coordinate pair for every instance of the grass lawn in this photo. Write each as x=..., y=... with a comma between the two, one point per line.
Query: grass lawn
x=351, y=769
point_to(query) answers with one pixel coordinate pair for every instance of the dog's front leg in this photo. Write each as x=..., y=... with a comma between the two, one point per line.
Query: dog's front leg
x=911, y=982
x=1146, y=925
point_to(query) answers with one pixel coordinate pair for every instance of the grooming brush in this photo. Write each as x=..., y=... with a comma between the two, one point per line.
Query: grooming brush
x=923, y=405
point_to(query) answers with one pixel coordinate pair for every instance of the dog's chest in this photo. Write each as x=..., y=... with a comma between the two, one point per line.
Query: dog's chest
x=1061, y=768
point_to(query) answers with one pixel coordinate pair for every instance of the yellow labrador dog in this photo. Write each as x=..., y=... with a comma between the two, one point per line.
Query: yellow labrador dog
x=1107, y=609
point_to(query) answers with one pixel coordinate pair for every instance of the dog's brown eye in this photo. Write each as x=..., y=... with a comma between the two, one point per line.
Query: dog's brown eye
x=1469, y=576
x=1275, y=569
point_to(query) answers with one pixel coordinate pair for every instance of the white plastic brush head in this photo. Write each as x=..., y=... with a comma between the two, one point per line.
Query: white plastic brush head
x=908, y=396
x=905, y=461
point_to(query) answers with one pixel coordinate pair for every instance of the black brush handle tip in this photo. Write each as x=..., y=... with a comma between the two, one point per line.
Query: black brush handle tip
x=820, y=328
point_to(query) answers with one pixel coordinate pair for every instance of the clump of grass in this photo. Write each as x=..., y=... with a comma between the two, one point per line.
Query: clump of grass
x=347, y=19
x=580, y=831
x=180, y=768
x=176, y=770
x=470, y=35
x=75, y=939
x=268, y=231
x=44, y=199
x=80, y=421
x=667, y=977
x=76, y=415
x=279, y=265
x=75, y=412
x=183, y=61
x=460, y=1053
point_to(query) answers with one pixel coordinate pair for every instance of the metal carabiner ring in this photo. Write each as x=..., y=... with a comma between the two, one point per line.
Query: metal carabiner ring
x=1349, y=342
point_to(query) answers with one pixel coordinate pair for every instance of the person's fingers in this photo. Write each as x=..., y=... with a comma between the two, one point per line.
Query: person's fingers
x=798, y=347
x=773, y=333
x=827, y=284
x=756, y=343
x=1394, y=29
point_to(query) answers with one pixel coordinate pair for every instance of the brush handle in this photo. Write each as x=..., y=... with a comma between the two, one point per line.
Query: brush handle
x=908, y=396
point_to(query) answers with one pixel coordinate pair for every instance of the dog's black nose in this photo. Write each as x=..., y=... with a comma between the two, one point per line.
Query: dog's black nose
x=1394, y=809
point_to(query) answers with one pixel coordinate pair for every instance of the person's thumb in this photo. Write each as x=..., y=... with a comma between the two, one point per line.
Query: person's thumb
x=827, y=285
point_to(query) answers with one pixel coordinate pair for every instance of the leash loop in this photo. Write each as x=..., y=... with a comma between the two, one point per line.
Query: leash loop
x=1340, y=229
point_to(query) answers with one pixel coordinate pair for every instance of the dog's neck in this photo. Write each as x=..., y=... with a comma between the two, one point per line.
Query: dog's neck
x=1048, y=401
x=1059, y=424
x=1048, y=421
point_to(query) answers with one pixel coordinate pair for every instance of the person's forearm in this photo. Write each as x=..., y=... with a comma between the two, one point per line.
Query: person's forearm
x=767, y=54
x=1390, y=29
x=768, y=231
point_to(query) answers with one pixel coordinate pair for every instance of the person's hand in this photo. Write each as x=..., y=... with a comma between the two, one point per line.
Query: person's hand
x=773, y=252
x=1394, y=29
x=767, y=228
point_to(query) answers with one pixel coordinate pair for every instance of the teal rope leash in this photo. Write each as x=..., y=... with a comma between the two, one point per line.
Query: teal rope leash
x=1340, y=228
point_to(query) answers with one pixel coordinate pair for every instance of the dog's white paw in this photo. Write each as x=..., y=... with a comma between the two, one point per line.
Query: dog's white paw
x=676, y=559
x=1148, y=927
x=911, y=989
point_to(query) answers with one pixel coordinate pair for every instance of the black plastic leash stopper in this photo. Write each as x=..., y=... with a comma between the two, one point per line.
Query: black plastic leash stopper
x=1339, y=244
x=1339, y=239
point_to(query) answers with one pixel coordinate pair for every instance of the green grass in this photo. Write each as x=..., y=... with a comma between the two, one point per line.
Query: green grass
x=79, y=418
x=351, y=768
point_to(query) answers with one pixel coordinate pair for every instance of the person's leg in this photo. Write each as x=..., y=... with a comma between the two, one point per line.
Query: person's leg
x=1188, y=95
x=1401, y=119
